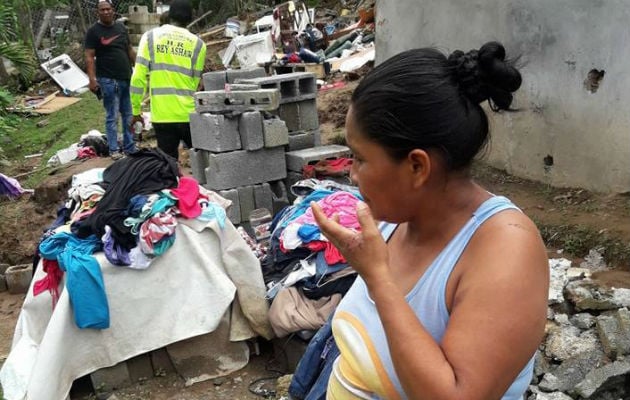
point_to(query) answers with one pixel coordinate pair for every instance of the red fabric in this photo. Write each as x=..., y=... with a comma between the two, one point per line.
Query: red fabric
x=86, y=152
x=335, y=85
x=294, y=58
x=333, y=167
x=332, y=255
x=187, y=194
x=51, y=281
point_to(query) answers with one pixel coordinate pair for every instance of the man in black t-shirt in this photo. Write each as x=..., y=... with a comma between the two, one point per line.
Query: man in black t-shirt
x=109, y=57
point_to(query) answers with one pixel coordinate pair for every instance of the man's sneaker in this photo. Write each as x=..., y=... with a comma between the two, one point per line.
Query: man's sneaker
x=116, y=156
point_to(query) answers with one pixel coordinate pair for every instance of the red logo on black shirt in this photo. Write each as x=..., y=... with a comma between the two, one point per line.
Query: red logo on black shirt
x=108, y=41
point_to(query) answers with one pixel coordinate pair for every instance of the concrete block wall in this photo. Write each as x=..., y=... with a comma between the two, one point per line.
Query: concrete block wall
x=136, y=369
x=242, y=150
x=298, y=106
x=239, y=148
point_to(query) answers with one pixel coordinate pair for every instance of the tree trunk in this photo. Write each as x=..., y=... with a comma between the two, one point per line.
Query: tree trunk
x=77, y=6
x=26, y=27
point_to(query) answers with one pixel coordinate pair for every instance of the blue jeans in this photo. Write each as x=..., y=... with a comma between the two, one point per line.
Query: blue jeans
x=116, y=99
x=310, y=379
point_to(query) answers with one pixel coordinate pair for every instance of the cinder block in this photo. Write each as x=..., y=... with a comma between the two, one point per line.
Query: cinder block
x=237, y=101
x=275, y=132
x=161, y=362
x=263, y=196
x=245, y=73
x=309, y=119
x=279, y=196
x=148, y=26
x=301, y=140
x=293, y=87
x=241, y=86
x=134, y=38
x=214, y=132
x=242, y=168
x=296, y=160
x=3, y=283
x=214, y=80
x=234, y=211
x=251, y=130
x=246, y=198
x=290, y=114
x=112, y=378
x=308, y=84
x=138, y=14
x=198, y=164
x=140, y=368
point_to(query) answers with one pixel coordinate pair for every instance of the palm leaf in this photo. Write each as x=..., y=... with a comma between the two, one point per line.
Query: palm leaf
x=8, y=24
x=21, y=57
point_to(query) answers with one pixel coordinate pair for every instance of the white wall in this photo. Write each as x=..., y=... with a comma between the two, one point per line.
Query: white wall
x=559, y=41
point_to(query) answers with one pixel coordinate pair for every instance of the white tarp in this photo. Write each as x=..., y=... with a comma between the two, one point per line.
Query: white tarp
x=184, y=293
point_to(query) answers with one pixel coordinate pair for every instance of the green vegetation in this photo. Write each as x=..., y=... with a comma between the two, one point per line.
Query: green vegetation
x=579, y=240
x=64, y=128
x=14, y=48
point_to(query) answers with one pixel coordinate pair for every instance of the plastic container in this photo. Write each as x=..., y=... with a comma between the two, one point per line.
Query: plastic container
x=18, y=278
x=260, y=221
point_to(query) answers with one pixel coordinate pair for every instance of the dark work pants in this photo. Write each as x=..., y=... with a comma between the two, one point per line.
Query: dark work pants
x=169, y=134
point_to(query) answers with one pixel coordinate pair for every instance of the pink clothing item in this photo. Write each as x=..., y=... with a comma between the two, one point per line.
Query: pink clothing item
x=187, y=194
x=332, y=255
x=342, y=203
x=86, y=152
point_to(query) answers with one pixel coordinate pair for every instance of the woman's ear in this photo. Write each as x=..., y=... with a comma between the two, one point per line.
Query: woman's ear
x=419, y=166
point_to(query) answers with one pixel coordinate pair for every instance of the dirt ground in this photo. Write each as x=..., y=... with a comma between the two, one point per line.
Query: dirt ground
x=565, y=214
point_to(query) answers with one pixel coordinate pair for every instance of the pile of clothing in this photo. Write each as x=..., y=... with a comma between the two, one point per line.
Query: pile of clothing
x=305, y=275
x=129, y=211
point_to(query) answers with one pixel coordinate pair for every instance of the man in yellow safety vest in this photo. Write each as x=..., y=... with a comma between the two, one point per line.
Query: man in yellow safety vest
x=173, y=59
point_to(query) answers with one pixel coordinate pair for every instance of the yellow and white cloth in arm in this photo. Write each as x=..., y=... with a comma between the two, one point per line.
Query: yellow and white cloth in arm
x=172, y=58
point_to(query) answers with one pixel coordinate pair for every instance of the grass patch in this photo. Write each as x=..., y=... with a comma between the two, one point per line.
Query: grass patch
x=338, y=138
x=579, y=240
x=64, y=128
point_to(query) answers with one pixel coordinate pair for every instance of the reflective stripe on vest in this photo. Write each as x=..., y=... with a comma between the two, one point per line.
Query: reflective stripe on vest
x=143, y=61
x=167, y=91
x=153, y=66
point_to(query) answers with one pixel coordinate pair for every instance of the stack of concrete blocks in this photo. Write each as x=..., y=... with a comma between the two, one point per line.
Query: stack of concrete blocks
x=238, y=149
x=139, y=21
x=298, y=105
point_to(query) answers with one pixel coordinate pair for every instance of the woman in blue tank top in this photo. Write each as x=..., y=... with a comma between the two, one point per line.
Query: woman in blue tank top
x=452, y=296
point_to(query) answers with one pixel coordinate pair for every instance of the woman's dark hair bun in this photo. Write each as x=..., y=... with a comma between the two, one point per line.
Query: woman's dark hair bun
x=485, y=74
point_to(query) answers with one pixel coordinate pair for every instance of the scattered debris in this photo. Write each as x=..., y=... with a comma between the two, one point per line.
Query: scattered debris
x=67, y=74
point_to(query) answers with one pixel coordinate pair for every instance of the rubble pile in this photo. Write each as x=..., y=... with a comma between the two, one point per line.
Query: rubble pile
x=585, y=352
